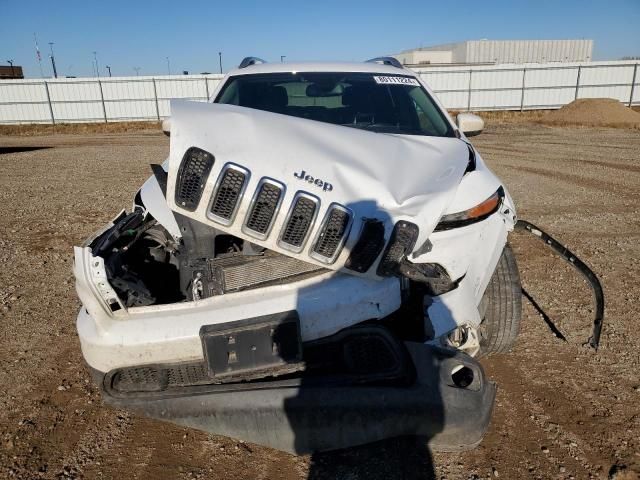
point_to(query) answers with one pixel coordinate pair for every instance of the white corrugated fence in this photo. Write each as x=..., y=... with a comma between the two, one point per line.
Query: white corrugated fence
x=110, y=99
x=497, y=87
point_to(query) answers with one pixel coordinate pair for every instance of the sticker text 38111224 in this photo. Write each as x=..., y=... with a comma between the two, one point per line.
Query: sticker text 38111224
x=393, y=80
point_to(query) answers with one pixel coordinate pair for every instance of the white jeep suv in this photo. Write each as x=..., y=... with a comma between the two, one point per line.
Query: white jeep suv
x=315, y=266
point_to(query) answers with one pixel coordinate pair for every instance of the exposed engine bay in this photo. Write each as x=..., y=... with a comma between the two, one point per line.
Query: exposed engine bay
x=147, y=266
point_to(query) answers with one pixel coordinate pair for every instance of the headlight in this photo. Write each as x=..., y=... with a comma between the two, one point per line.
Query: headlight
x=473, y=215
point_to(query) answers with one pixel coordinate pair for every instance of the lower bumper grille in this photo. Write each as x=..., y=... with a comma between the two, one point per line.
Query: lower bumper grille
x=158, y=379
x=359, y=354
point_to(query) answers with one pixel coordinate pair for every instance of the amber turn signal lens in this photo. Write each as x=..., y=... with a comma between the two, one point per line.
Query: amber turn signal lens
x=488, y=206
x=475, y=214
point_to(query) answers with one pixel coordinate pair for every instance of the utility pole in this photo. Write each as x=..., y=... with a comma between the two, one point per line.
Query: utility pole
x=282, y=57
x=95, y=57
x=168, y=66
x=137, y=69
x=13, y=74
x=220, y=58
x=53, y=61
x=109, y=69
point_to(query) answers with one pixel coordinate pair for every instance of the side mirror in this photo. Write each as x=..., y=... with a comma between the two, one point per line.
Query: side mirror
x=470, y=124
x=166, y=126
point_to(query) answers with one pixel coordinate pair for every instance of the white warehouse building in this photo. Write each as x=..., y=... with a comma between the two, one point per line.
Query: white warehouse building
x=499, y=51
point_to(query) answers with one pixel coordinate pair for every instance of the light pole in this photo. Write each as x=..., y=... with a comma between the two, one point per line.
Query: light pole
x=10, y=62
x=168, y=66
x=282, y=57
x=53, y=61
x=137, y=69
x=220, y=58
x=95, y=57
x=109, y=69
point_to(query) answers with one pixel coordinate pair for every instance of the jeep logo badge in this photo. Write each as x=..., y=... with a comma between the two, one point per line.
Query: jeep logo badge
x=326, y=186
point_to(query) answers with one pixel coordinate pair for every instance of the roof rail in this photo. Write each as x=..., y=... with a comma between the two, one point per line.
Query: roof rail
x=248, y=61
x=394, y=62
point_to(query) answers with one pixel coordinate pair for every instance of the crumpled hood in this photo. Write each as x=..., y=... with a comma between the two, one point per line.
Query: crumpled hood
x=375, y=175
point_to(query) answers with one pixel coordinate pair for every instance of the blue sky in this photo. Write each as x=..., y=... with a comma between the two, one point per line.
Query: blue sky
x=128, y=34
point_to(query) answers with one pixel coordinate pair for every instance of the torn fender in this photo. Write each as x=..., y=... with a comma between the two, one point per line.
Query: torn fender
x=373, y=175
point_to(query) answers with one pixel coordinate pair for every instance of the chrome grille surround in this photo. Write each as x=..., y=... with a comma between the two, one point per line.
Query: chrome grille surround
x=332, y=234
x=299, y=222
x=264, y=208
x=228, y=193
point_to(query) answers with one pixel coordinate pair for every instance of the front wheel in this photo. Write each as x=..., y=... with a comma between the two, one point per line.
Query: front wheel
x=501, y=307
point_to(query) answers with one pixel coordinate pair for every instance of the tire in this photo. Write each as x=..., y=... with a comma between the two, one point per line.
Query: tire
x=501, y=307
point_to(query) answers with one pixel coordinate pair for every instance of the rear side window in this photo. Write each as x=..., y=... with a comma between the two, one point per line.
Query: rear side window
x=386, y=104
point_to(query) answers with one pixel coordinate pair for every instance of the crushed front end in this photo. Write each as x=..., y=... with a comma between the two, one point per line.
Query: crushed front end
x=281, y=282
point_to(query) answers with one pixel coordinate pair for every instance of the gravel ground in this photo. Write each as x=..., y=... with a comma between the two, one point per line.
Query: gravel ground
x=562, y=410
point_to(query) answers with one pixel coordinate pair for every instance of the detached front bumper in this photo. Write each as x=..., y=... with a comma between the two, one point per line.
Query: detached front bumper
x=450, y=404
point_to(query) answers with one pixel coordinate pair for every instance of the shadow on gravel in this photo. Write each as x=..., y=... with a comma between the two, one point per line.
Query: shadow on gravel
x=547, y=319
x=376, y=416
x=401, y=458
x=5, y=150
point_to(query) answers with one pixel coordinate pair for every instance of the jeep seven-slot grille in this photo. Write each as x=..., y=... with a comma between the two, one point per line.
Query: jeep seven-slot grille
x=265, y=204
x=192, y=175
x=332, y=233
x=299, y=221
x=227, y=195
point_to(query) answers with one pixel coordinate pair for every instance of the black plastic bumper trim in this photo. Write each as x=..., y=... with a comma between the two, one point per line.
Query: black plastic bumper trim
x=292, y=416
x=589, y=275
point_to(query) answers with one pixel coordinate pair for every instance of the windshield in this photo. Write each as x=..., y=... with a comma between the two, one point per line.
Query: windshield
x=375, y=102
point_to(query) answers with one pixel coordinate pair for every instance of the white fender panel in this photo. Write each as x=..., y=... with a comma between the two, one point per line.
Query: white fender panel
x=156, y=205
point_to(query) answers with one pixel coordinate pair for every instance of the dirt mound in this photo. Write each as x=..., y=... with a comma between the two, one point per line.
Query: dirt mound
x=600, y=112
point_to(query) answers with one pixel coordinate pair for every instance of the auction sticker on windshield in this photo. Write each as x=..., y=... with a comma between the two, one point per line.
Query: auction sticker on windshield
x=385, y=80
